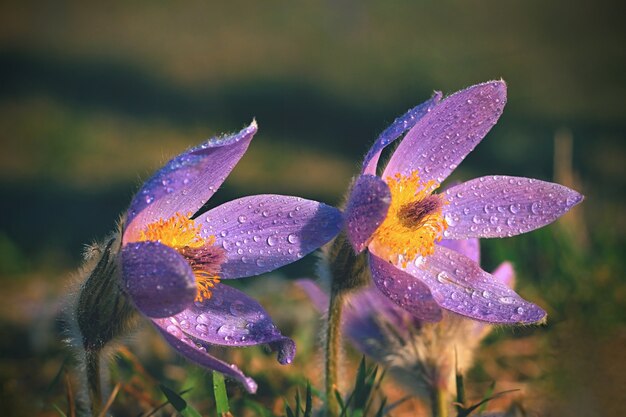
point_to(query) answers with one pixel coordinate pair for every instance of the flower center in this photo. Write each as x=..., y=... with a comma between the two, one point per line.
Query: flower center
x=182, y=234
x=414, y=221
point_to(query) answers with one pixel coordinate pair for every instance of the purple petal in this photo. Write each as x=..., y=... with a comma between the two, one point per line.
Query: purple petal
x=198, y=354
x=186, y=182
x=459, y=285
x=444, y=137
x=319, y=298
x=398, y=127
x=231, y=318
x=366, y=209
x=261, y=233
x=499, y=206
x=404, y=290
x=467, y=247
x=157, y=278
x=505, y=274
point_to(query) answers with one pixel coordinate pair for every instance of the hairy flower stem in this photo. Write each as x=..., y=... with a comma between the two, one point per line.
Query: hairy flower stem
x=439, y=401
x=349, y=272
x=333, y=346
x=100, y=313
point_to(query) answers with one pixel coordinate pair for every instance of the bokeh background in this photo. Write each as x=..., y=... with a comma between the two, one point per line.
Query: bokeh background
x=94, y=96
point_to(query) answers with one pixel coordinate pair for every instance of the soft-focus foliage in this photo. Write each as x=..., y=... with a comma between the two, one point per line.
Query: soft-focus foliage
x=95, y=97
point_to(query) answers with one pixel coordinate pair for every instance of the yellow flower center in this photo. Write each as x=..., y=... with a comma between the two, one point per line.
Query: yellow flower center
x=414, y=221
x=182, y=234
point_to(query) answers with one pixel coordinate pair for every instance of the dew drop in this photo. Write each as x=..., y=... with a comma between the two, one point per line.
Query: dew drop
x=486, y=294
x=237, y=308
x=506, y=300
x=202, y=328
x=241, y=219
x=271, y=241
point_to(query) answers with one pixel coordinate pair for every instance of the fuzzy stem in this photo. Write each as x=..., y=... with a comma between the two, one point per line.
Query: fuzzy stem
x=439, y=402
x=333, y=346
x=94, y=380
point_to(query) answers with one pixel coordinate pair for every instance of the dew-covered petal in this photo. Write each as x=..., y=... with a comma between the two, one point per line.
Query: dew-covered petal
x=263, y=232
x=467, y=247
x=505, y=274
x=443, y=137
x=366, y=209
x=404, y=290
x=198, y=354
x=230, y=318
x=398, y=127
x=186, y=182
x=458, y=284
x=158, y=279
x=499, y=206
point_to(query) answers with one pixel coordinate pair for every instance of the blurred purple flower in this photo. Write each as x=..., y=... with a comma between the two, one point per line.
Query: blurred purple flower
x=421, y=355
x=399, y=219
x=173, y=264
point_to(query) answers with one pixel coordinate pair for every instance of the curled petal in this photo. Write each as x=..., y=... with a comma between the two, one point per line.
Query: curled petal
x=366, y=209
x=505, y=274
x=157, y=278
x=261, y=233
x=443, y=137
x=230, y=318
x=459, y=285
x=398, y=127
x=319, y=298
x=198, y=354
x=467, y=247
x=404, y=290
x=186, y=182
x=499, y=206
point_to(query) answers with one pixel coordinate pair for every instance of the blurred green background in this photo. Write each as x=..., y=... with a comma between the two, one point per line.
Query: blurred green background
x=94, y=97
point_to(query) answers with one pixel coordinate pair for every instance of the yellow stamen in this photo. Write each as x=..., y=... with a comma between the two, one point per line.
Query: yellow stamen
x=414, y=221
x=182, y=234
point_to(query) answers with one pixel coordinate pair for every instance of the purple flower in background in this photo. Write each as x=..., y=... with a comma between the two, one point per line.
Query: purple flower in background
x=421, y=355
x=400, y=220
x=173, y=264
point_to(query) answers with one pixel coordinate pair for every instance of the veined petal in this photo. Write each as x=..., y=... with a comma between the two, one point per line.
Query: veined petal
x=366, y=209
x=198, y=354
x=263, y=232
x=157, y=278
x=231, y=318
x=443, y=137
x=499, y=206
x=398, y=127
x=458, y=284
x=467, y=247
x=404, y=290
x=185, y=183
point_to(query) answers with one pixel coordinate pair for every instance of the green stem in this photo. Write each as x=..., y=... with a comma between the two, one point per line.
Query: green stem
x=94, y=380
x=439, y=402
x=333, y=346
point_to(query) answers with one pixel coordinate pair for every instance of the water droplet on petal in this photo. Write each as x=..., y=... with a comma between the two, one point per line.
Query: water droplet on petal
x=242, y=219
x=292, y=238
x=506, y=300
x=271, y=241
x=237, y=308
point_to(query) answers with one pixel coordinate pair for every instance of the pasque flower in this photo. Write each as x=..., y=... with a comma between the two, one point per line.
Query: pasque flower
x=423, y=356
x=400, y=219
x=174, y=263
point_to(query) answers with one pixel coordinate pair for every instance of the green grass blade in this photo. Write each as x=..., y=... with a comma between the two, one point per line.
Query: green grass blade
x=219, y=391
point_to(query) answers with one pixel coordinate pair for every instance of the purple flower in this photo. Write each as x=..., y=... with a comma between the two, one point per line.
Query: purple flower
x=400, y=220
x=173, y=264
x=419, y=354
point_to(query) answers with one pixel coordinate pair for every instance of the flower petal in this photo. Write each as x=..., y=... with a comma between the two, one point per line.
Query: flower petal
x=505, y=274
x=404, y=290
x=499, y=206
x=459, y=285
x=398, y=127
x=261, y=233
x=444, y=136
x=366, y=209
x=157, y=278
x=231, y=318
x=467, y=247
x=186, y=347
x=319, y=298
x=186, y=182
